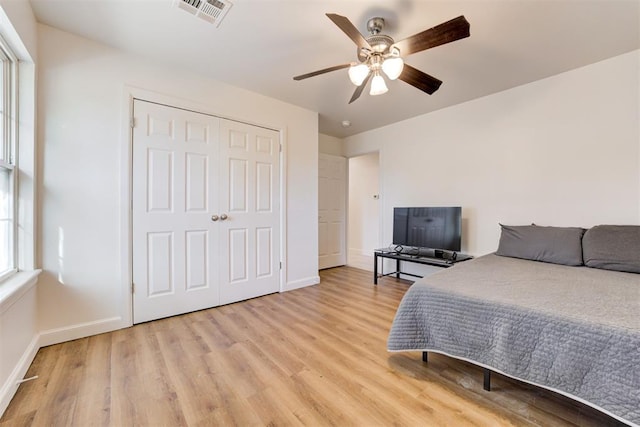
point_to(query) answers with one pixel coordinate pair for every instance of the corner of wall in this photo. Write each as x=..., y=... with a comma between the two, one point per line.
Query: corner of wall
x=360, y=259
x=330, y=145
x=301, y=283
x=11, y=384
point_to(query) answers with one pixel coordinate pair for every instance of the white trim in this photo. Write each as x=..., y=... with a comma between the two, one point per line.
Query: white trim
x=10, y=386
x=7, y=274
x=283, y=209
x=25, y=156
x=564, y=393
x=126, y=221
x=302, y=283
x=9, y=152
x=12, y=289
x=126, y=233
x=23, y=135
x=80, y=330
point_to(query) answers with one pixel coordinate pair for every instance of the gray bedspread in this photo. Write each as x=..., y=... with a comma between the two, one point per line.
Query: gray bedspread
x=571, y=329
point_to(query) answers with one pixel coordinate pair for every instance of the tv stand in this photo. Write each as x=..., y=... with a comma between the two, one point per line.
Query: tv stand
x=417, y=259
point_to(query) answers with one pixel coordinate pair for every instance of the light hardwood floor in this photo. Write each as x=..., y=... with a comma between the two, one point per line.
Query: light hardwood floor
x=315, y=356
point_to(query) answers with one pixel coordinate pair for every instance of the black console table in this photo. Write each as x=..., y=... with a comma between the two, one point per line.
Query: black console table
x=437, y=262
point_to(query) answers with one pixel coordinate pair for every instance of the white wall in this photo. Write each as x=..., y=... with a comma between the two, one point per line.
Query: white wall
x=562, y=151
x=364, y=219
x=82, y=122
x=328, y=144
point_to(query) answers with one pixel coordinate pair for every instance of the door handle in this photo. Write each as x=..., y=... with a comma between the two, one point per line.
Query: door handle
x=214, y=217
x=223, y=217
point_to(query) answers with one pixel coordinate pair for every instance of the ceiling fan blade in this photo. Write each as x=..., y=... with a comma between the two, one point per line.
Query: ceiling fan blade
x=447, y=32
x=420, y=80
x=359, y=89
x=350, y=30
x=317, y=73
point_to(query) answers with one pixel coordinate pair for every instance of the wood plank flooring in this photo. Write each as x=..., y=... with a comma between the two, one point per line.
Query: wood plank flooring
x=314, y=356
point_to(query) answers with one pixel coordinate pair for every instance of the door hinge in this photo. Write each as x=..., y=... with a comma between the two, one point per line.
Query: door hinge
x=281, y=148
x=133, y=288
x=280, y=265
x=132, y=122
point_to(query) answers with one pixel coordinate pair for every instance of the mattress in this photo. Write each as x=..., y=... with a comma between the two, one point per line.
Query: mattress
x=575, y=330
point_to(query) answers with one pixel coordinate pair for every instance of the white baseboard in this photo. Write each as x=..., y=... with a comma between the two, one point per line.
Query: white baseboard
x=297, y=284
x=81, y=330
x=10, y=386
x=50, y=337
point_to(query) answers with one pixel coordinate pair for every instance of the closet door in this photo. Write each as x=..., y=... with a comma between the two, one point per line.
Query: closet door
x=206, y=211
x=250, y=195
x=175, y=193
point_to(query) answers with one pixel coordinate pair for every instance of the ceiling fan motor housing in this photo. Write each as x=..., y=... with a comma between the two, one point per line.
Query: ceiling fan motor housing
x=375, y=25
x=380, y=43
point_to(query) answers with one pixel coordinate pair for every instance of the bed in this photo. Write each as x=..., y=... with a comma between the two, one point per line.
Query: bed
x=571, y=329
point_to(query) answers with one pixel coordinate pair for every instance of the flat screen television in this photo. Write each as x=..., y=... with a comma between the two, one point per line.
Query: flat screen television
x=428, y=227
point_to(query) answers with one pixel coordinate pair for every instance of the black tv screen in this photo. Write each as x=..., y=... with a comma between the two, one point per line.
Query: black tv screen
x=428, y=227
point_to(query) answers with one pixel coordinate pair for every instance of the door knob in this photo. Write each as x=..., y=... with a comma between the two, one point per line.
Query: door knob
x=223, y=217
x=214, y=217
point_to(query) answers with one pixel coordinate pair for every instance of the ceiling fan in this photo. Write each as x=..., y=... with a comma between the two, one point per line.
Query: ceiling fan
x=378, y=52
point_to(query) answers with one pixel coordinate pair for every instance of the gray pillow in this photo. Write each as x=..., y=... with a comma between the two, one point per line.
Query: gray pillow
x=557, y=245
x=612, y=247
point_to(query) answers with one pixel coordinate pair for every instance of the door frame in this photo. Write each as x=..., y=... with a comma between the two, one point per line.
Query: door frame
x=126, y=185
x=381, y=201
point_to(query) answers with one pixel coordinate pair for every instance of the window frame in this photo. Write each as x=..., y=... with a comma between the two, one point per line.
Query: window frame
x=8, y=145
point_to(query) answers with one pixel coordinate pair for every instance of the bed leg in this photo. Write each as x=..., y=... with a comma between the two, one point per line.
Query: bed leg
x=425, y=356
x=487, y=379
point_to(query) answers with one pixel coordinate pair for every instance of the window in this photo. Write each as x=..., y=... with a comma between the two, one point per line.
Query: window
x=7, y=165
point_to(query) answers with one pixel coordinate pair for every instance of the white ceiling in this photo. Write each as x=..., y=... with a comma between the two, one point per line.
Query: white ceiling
x=262, y=44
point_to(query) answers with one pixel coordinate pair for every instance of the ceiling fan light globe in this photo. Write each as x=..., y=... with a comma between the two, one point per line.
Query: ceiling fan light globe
x=378, y=86
x=392, y=67
x=357, y=73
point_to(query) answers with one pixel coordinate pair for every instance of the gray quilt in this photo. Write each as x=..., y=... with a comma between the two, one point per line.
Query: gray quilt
x=571, y=329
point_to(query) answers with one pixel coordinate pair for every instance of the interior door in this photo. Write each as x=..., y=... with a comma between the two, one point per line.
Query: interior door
x=175, y=243
x=250, y=194
x=332, y=182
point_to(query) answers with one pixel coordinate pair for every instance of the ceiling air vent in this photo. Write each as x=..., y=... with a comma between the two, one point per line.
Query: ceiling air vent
x=211, y=11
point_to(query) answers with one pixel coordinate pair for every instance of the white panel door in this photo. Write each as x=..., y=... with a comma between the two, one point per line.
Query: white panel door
x=175, y=243
x=250, y=194
x=332, y=182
